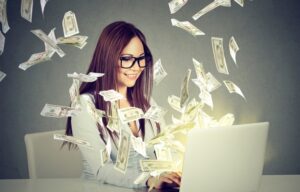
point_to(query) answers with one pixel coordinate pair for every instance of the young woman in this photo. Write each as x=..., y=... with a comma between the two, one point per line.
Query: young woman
x=124, y=57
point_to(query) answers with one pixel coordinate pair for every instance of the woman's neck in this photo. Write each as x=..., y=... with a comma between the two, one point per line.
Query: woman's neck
x=123, y=91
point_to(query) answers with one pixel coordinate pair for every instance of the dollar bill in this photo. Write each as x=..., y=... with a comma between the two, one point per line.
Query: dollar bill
x=204, y=119
x=113, y=119
x=73, y=140
x=141, y=178
x=91, y=77
x=80, y=45
x=139, y=146
x=212, y=83
x=43, y=5
x=175, y=5
x=51, y=35
x=227, y=120
x=2, y=75
x=104, y=156
x=240, y=2
x=206, y=98
x=233, y=48
x=187, y=26
x=184, y=92
x=213, y=5
x=155, y=165
x=97, y=114
x=162, y=152
x=26, y=9
x=200, y=72
x=2, y=43
x=35, y=59
x=123, y=152
x=174, y=102
x=191, y=111
x=69, y=23
x=40, y=34
x=74, y=94
x=182, y=128
x=130, y=114
x=159, y=72
x=176, y=120
x=219, y=56
x=3, y=16
x=111, y=95
x=155, y=113
x=233, y=88
x=58, y=111
x=72, y=40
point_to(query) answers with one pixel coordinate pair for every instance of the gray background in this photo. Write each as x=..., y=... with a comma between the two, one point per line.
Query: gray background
x=266, y=31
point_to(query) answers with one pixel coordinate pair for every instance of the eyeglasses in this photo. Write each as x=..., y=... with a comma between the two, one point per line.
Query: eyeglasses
x=127, y=61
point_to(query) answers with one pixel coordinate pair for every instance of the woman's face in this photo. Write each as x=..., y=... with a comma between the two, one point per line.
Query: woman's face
x=133, y=52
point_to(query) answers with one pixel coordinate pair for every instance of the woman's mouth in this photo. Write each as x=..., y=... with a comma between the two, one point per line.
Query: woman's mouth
x=131, y=76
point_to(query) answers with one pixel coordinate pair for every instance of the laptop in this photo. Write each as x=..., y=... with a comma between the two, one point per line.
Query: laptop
x=224, y=159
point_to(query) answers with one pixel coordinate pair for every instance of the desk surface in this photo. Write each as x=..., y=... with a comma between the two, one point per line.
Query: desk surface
x=270, y=183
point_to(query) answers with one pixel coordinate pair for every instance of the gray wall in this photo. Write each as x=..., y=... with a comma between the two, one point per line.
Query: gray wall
x=267, y=32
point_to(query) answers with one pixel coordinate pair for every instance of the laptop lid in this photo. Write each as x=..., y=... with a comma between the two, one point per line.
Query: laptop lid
x=224, y=159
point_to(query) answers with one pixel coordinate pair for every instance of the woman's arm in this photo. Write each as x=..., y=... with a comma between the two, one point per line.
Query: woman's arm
x=84, y=127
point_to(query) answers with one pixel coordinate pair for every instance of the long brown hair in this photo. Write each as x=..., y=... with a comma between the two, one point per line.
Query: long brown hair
x=111, y=42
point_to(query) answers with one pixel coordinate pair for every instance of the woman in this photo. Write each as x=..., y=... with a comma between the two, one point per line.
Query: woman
x=124, y=57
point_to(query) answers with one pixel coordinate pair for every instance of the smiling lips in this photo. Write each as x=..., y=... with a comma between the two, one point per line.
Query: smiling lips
x=131, y=76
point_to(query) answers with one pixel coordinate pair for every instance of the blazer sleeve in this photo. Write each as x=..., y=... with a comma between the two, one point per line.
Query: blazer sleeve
x=85, y=127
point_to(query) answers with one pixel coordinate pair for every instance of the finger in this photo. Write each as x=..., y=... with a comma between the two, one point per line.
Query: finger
x=166, y=179
x=173, y=178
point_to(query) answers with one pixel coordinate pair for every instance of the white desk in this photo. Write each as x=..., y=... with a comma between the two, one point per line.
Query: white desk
x=275, y=183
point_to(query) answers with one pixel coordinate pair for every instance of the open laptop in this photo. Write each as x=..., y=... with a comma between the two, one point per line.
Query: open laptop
x=224, y=159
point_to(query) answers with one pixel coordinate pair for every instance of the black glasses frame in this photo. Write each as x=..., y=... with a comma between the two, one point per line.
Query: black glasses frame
x=136, y=59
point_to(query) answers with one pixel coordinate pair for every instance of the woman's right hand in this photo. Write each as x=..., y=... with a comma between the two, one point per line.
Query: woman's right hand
x=166, y=179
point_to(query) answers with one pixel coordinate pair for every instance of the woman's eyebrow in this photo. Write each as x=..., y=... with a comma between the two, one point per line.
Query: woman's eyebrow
x=127, y=54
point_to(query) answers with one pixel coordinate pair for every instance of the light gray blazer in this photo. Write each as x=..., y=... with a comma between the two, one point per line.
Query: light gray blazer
x=84, y=126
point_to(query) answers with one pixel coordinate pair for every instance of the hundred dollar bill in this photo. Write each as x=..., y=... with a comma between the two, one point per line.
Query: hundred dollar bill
x=219, y=56
x=162, y=152
x=43, y=5
x=58, y=111
x=111, y=95
x=2, y=75
x=74, y=94
x=26, y=9
x=174, y=102
x=159, y=73
x=187, y=26
x=69, y=24
x=142, y=177
x=233, y=88
x=123, y=152
x=113, y=120
x=191, y=110
x=175, y=5
x=155, y=113
x=73, y=140
x=104, y=156
x=51, y=35
x=40, y=34
x=35, y=59
x=3, y=16
x=212, y=83
x=91, y=77
x=2, y=43
x=233, y=48
x=200, y=72
x=227, y=120
x=97, y=114
x=130, y=114
x=206, y=98
x=139, y=146
x=76, y=39
x=184, y=92
x=155, y=165
x=80, y=45
x=213, y=5
x=240, y=2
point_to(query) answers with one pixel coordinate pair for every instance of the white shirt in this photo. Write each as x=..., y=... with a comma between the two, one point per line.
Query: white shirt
x=84, y=126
